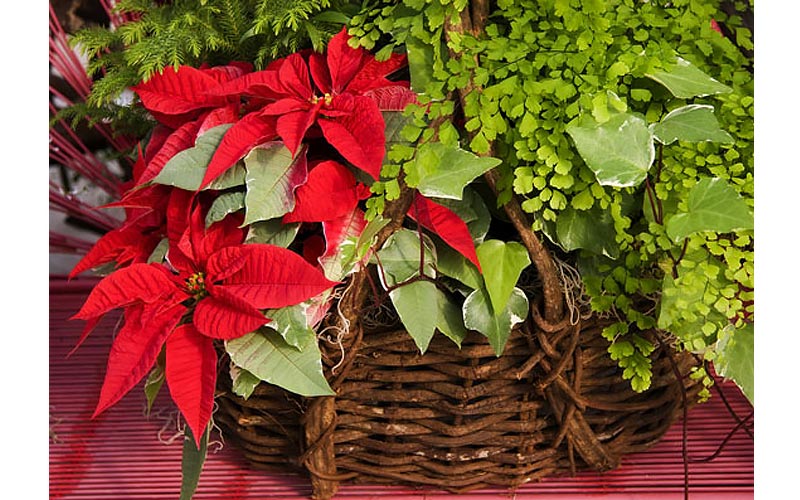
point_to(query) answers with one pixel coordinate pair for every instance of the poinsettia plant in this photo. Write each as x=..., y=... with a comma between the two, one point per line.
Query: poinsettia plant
x=477, y=180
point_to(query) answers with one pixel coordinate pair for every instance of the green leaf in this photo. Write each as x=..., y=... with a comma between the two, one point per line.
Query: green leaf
x=367, y=238
x=420, y=63
x=472, y=210
x=272, y=232
x=451, y=320
x=244, y=382
x=479, y=315
x=292, y=323
x=452, y=263
x=152, y=386
x=186, y=169
x=735, y=361
x=159, y=252
x=233, y=177
x=684, y=80
x=619, y=151
x=502, y=263
x=692, y=123
x=224, y=204
x=192, y=462
x=417, y=304
x=713, y=206
x=592, y=230
x=266, y=355
x=440, y=171
x=272, y=177
x=400, y=255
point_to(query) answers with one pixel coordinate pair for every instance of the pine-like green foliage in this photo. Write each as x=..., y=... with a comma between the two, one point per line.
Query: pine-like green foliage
x=194, y=32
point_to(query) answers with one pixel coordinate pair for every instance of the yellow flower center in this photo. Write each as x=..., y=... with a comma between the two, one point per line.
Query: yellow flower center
x=327, y=98
x=196, y=285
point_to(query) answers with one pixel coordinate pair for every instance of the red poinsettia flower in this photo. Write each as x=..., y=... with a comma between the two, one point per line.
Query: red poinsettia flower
x=340, y=93
x=216, y=289
x=445, y=223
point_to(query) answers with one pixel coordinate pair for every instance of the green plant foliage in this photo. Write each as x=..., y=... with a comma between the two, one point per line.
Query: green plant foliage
x=495, y=324
x=272, y=177
x=735, y=358
x=502, y=264
x=417, y=304
x=192, y=461
x=186, y=169
x=607, y=118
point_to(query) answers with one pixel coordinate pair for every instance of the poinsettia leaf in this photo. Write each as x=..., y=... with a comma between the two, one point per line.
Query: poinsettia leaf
x=135, y=283
x=620, y=151
x=274, y=277
x=192, y=375
x=226, y=316
x=273, y=232
x=135, y=349
x=293, y=126
x=341, y=238
x=446, y=224
x=192, y=459
x=273, y=175
x=253, y=129
x=691, y=123
x=735, y=358
x=495, y=324
x=266, y=355
x=441, y=171
x=225, y=204
x=713, y=205
x=243, y=382
x=343, y=61
x=231, y=178
x=591, y=229
x=395, y=98
x=291, y=323
x=329, y=193
x=155, y=380
x=226, y=115
x=175, y=92
x=502, y=264
x=187, y=168
x=417, y=304
x=399, y=258
x=181, y=139
x=358, y=135
x=685, y=80
x=294, y=77
x=107, y=248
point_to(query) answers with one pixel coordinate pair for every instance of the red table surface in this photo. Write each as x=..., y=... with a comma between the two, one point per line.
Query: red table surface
x=124, y=455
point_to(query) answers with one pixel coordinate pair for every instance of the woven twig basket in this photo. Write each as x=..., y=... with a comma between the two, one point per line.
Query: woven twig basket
x=460, y=419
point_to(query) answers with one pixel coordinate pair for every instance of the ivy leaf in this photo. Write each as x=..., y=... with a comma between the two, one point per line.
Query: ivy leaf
x=272, y=177
x=713, y=205
x=479, y=315
x=399, y=257
x=244, y=382
x=451, y=320
x=592, y=230
x=454, y=265
x=441, y=171
x=619, y=151
x=224, y=204
x=417, y=304
x=502, y=264
x=192, y=461
x=684, y=81
x=735, y=361
x=420, y=63
x=291, y=322
x=692, y=123
x=473, y=211
x=266, y=355
x=186, y=169
x=272, y=232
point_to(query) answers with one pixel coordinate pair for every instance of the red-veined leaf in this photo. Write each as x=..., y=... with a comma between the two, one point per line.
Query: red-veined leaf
x=219, y=116
x=313, y=248
x=319, y=72
x=294, y=79
x=394, y=98
x=90, y=326
x=264, y=83
x=126, y=244
x=334, y=263
x=178, y=92
x=359, y=134
x=136, y=348
x=226, y=262
x=228, y=72
x=274, y=277
x=180, y=253
x=373, y=74
x=191, y=374
x=182, y=138
x=224, y=315
x=225, y=233
x=137, y=283
x=158, y=137
x=292, y=127
x=329, y=193
x=252, y=130
x=445, y=223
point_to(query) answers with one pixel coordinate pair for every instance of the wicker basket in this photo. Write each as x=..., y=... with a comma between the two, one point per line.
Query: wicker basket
x=458, y=420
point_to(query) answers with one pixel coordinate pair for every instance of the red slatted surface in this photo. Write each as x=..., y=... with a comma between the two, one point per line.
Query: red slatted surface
x=119, y=454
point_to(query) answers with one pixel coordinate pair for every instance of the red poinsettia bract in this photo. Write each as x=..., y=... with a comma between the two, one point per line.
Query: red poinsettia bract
x=216, y=291
x=341, y=93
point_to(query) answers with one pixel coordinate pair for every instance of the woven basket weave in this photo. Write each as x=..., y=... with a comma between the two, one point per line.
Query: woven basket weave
x=460, y=419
